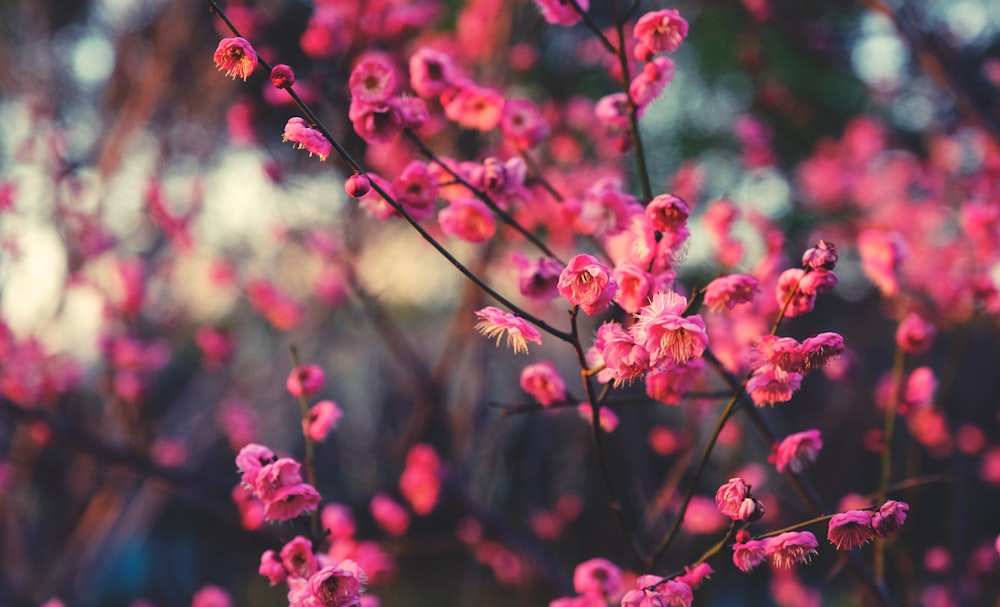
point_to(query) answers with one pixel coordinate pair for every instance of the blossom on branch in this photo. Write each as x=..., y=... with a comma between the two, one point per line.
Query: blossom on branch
x=494, y=322
x=236, y=57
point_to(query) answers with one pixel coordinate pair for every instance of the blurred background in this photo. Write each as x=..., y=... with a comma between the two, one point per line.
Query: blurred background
x=161, y=252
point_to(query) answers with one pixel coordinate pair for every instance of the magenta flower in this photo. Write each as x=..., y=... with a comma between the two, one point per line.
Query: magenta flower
x=298, y=559
x=667, y=335
x=634, y=284
x=695, y=576
x=291, y=501
x=802, y=301
x=250, y=460
x=211, y=596
x=560, y=12
x=271, y=568
x=625, y=359
x=587, y=283
x=770, y=386
x=612, y=111
x=522, y=124
x=796, y=450
x=468, y=219
x=323, y=417
x=305, y=380
x=298, y=131
x=357, y=185
x=650, y=82
x=749, y=554
x=539, y=279
x=420, y=482
x=338, y=585
x=890, y=517
x=494, y=322
x=282, y=76
x=730, y=291
x=389, y=514
x=661, y=31
x=598, y=577
x=915, y=335
x=643, y=598
x=282, y=472
x=850, y=529
x=543, y=382
x=474, y=107
x=236, y=57
x=431, y=72
x=669, y=382
x=822, y=256
x=730, y=496
x=376, y=122
x=790, y=548
x=416, y=190
x=373, y=80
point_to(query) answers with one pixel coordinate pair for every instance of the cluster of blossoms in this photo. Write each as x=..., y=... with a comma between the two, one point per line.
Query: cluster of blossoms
x=314, y=580
x=856, y=527
x=277, y=482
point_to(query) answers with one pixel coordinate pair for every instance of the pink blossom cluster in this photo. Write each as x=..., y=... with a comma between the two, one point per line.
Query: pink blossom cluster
x=277, y=482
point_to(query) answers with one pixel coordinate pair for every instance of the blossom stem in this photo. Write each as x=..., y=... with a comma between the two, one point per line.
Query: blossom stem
x=309, y=458
x=633, y=118
x=592, y=26
x=539, y=176
x=898, y=369
x=595, y=409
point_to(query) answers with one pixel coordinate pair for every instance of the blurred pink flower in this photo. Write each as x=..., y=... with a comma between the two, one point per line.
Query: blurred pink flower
x=338, y=585
x=307, y=138
x=323, y=417
x=731, y=290
x=560, y=12
x=662, y=30
x=598, y=577
x=468, y=219
x=543, y=381
x=305, y=380
x=796, y=450
x=297, y=557
x=373, y=80
x=915, y=335
x=389, y=514
x=271, y=567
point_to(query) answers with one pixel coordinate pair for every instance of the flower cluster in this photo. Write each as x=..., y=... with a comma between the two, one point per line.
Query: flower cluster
x=277, y=482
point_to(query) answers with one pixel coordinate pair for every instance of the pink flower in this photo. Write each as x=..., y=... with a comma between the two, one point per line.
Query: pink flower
x=338, y=585
x=695, y=576
x=431, y=72
x=634, y=285
x=651, y=81
x=661, y=31
x=298, y=559
x=357, y=185
x=281, y=472
x=730, y=496
x=606, y=208
x=539, y=279
x=730, y=291
x=389, y=514
x=597, y=576
x=474, y=107
x=291, y=501
x=587, y=283
x=643, y=598
x=881, y=255
x=612, y=111
x=561, y=12
x=468, y=219
x=543, y=382
x=796, y=450
x=305, y=380
x=819, y=349
x=236, y=57
x=338, y=521
x=670, y=381
x=802, y=301
x=271, y=568
x=373, y=203
x=777, y=355
x=211, y=596
x=522, y=124
x=667, y=335
x=890, y=517
x=373, y=80
x=494, y=322
x=822, y=256
x=749, y=554
x=282, y=76
x=915, y=335
x=850, y=529
x=376, y=122
x=420, y=482
x=323, y=417
x=298, y=131
x=676, y=593
x=416, y=190
x=770, y=386
x=790, y=548
x=250, y=460
x=625, y=359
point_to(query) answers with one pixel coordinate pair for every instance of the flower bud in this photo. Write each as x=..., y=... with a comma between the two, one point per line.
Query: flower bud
x=282, y=76
x=357, y=185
